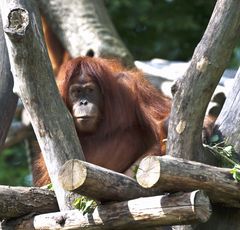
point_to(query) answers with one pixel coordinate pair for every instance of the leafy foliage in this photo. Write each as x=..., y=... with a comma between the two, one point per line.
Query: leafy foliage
x=227, y=155
x=13, y=167
x=235, y=171
x=50, y=187
x=85, y=204
x=168, y=29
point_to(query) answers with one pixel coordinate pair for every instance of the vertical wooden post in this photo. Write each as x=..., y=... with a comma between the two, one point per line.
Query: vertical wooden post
x=8, y=100
x=35, y=85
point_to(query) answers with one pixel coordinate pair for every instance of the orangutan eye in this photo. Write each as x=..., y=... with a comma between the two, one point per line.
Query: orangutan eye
x=76, y=91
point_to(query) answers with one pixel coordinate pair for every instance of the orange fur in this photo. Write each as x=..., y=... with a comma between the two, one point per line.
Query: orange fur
x=57, y=54
x=133, y=122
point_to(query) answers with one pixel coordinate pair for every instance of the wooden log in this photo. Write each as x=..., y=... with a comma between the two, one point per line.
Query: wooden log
x=138, y=213
x=34, y=83
x=8, y=100
x=100, y=183
x=19, y=201
x=170, y=174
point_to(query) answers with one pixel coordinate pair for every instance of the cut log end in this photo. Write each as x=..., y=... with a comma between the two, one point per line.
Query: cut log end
x=18, y=21
x=148, y=172
x=201, y=205
x=72, y=175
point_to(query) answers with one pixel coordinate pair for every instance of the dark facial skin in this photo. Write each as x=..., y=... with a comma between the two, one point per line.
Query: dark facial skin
x=86, y=102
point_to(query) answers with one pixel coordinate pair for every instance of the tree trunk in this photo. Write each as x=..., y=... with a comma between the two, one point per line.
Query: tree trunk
x=170, y=174
x=19, y=201
x=227, y=126
x=228, y=122
x=35, y=85
x=134, y=214
x=193, y=92
x=84, y=28
x=8, y=100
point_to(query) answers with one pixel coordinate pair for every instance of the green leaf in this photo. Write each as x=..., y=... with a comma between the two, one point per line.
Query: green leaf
x=228, y=150
x=236, y=172
x=85, y=204
x=77, y=203
x=50, y=187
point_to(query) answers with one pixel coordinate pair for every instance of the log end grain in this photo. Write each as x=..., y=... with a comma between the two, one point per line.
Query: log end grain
x=72, y=175
x=18, y=21
x=201, y=205
x=148, y=172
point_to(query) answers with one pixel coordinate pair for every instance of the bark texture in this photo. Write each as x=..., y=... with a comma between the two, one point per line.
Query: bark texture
x=100, y=183
x=228, y=122
x=170, y=174
x=148, y=212
x=19, y=201
x=84, y=28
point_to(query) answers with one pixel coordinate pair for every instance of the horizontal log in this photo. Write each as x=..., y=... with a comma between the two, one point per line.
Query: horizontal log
x=18, y=201
x=100, y=183
x=139, y=213
x=171, y=174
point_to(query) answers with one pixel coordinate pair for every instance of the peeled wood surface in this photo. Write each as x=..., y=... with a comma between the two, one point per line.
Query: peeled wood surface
x=34, y=83
x=19, y=201
x=134, y=214
x=174, y=174
x=100, y=183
